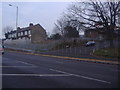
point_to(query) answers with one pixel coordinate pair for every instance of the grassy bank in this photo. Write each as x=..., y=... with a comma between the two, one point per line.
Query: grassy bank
x=108, y=52
x=63, y=45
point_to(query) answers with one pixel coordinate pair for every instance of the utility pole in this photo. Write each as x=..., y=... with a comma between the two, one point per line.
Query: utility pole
x=16, y=18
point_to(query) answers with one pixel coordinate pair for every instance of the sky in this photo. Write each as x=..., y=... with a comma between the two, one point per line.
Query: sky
x=43, y=13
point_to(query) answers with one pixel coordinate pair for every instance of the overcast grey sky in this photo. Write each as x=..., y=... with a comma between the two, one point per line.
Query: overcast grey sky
x=44, y=13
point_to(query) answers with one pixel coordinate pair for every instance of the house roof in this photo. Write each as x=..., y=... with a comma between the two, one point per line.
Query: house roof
x=25, y=29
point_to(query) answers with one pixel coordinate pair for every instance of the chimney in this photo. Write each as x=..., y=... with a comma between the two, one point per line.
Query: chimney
x=31, y=24
x=18, y=28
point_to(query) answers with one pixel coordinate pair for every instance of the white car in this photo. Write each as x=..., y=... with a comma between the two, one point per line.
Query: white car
x=90, y=43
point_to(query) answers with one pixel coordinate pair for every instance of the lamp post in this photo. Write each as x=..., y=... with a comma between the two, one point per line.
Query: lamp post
x=16, y=17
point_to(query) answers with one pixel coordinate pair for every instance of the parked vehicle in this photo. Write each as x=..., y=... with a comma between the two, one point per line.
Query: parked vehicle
x=1, y=49
x=90, y=43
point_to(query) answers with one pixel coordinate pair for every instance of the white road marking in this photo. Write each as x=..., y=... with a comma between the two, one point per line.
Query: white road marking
x=18, y=61
x=39, y=75
x=10, y=62
x=26, y=63
x=18, y=66
x=81, y=76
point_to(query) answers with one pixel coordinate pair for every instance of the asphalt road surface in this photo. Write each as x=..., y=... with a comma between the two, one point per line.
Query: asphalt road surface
x=20, y=70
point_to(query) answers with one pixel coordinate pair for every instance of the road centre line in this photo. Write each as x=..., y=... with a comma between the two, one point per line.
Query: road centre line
x=25, y=63
x=76, y=75
x=18, y=61
x=37, y=75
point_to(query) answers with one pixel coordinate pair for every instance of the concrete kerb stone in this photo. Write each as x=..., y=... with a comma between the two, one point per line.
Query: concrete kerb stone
x=72, y=58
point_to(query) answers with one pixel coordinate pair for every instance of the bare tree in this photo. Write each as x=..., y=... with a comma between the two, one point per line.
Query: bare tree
x=98, y=14
x=7, y=29
x=60, y=25
x=74, y=21
x=65, y=21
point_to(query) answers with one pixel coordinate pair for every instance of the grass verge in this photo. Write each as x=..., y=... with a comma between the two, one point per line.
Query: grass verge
x=108, y=52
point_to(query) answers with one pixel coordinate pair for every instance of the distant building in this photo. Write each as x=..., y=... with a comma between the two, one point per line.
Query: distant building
x=94, y=34
x=99, y=34
x=35, y=33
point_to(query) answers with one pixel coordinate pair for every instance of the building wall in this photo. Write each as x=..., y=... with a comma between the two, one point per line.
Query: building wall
x=94, y=34
x=38, y=34
x=91, y=34
x=18, y=42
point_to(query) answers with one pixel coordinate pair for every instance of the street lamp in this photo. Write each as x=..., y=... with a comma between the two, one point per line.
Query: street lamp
x=16, y=17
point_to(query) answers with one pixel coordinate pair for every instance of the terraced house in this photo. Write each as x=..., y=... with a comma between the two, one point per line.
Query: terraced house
x=33, y=33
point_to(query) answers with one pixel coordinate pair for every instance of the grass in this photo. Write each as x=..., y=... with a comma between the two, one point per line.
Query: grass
x=63, y=45
x=108, y=52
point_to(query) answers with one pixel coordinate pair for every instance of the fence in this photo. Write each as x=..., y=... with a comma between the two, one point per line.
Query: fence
x=48, y=47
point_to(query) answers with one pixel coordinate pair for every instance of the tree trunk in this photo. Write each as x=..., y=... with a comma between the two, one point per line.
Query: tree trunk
x=111, y=43
x=110, y=34
x=111, y=38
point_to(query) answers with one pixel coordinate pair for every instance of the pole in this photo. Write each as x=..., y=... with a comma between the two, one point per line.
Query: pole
x=16, y=18
x=16, y=21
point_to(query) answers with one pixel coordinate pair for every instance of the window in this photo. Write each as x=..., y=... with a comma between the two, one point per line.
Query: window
x=9, y=36
x=21, y=33
x=14, y=35
x=29, y=32
x=18, y=34
x=25, y=32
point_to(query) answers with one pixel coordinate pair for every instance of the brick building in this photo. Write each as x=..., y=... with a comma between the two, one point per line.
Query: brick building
x=100, y=34
x=94, y=34
x=34, y=33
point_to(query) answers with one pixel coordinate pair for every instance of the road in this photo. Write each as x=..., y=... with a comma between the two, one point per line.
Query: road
x=22, y=70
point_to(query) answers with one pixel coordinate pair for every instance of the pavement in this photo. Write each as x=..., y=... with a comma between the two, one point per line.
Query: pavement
x=29, y=70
